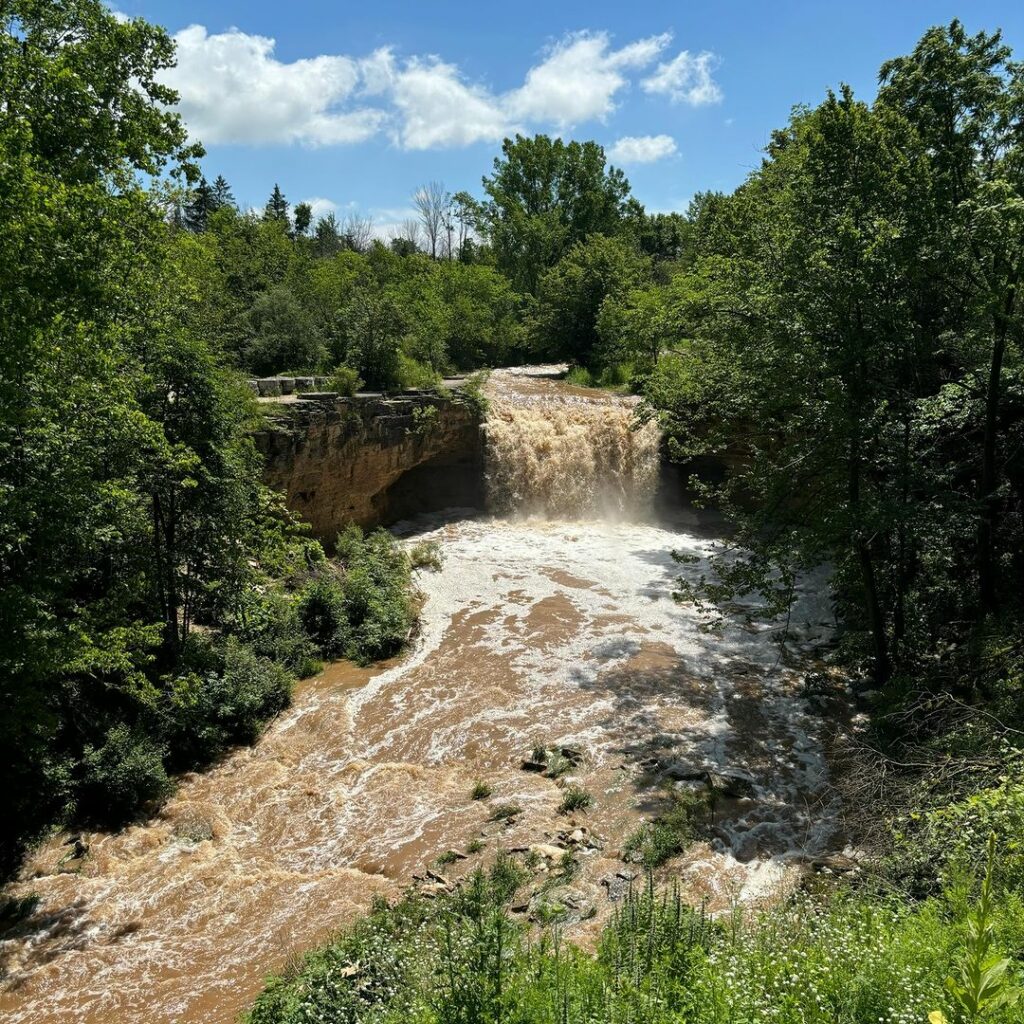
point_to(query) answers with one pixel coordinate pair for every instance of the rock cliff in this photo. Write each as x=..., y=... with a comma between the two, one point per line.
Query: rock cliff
x=370, y=459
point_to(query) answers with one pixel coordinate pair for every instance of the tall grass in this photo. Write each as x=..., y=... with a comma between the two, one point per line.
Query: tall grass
x=844, y=958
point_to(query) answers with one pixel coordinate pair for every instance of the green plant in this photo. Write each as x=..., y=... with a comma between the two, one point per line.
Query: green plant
x=475, y=846
x=123, y=774
x=377, y=586
x=980, y=985
x=481, y=790
x=425, y=419
x=506, y=875
x=651, y=843
x=320, y=607
x=416, y=376
x=472, y=391
x=574, y=798
x=448, y=857
x=505, y=811
x=558, y=765
x=345, y=380
x=426, y=555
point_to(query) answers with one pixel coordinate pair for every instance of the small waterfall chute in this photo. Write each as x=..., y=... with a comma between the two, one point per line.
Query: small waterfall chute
x=566, y=453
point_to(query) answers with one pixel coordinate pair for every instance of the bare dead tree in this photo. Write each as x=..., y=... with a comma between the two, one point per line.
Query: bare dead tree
x=357, y=231
x=409, y=231
x=431, y=202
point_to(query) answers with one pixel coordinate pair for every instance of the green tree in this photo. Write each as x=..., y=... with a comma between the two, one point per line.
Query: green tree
x=303, y=217
x=965, y=98
x=544, y=197
x=276, y=209
x=222, y=195
x=281, y=334
x=374, y=327
x=327, y=239
x=199, y=207
x=563, y=321
x=83, y=120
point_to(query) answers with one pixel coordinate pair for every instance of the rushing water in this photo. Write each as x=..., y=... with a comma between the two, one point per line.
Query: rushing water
x=552, y=630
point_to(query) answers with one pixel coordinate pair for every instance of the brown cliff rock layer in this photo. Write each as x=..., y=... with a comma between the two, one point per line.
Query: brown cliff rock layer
x=372, y=460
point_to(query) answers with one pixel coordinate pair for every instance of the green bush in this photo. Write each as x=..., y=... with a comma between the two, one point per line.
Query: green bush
x=505, y=811
x=377, y=585
x=651, y=844
x=574, y=798
x=416, y=376
x=122, y=775
x=229, y=704
x=426, y=555
x=320, y=609
x=254, y=690
x=481, y=790
x=269, y=624
x=345, y=380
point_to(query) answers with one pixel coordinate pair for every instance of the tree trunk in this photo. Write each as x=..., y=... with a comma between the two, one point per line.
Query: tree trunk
x=872, y=603
x=988, y=483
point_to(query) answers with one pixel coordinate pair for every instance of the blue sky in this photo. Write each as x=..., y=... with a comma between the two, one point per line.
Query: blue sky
x=357, y=104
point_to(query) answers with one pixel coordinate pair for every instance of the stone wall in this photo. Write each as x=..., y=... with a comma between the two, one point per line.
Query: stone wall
x=371, y=459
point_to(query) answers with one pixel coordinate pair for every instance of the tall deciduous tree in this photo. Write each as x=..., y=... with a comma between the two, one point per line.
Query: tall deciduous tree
x=545, y=196
x=83, y=120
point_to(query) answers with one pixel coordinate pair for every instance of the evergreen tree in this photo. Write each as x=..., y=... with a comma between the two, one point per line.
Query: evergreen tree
x=199, y=207
x=222, y=193
x=277, y=207
x=327, y=240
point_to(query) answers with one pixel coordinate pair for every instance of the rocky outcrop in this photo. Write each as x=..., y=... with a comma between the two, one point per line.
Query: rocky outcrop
x=371, y=459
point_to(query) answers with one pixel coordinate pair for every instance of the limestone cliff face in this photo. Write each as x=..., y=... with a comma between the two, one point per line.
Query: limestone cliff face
x=372, y=460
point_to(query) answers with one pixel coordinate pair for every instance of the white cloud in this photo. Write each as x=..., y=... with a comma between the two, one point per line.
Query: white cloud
x=686, y=79
x=641, y=149
x=438, y=108
x=233, y=90
x=579, y=78
x=321, y=207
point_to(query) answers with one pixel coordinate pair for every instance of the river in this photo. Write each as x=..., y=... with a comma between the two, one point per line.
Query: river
x=551, y=622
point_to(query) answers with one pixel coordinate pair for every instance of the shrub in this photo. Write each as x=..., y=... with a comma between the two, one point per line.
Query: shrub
x=472, y=391
x=448, y=857
x=475, y=846
x=122, y=775
x=574, y=798
x=377, y=585
x=320, y=609
x=345, y=380
x=481, y=790
x=426, y=555
x=269, y=624
x=653, y=843
x=254, y=690
x=505, y=811
x=558, y=765
x=416, y=376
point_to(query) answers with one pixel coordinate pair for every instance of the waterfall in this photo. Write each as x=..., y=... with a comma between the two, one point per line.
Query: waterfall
x=566, y=453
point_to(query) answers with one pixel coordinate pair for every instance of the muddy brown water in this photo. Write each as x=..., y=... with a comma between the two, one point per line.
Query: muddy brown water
x=536, y=630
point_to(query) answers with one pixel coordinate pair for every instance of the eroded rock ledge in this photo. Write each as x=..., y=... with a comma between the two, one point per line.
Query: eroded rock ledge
x=371, y=459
